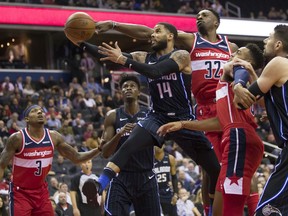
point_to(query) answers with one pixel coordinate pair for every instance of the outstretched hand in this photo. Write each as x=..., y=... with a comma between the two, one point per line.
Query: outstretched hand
x=169, y=127
x=103, y=26
x=111, y=53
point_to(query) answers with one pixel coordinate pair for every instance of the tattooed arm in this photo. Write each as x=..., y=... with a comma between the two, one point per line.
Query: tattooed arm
x=179, y=61
x=69, y=152
x=12, y=146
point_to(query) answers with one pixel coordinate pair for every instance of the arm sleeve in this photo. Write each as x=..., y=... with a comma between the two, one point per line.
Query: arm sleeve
x=153, y=71
x=93, y=50
x=241, y=75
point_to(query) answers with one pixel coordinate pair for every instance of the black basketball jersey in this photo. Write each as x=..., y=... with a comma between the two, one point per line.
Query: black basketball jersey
x=142, y=160
x=276, y=101
x=170, y=94
x=162, y=170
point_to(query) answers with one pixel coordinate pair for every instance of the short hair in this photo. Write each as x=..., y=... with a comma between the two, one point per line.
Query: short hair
x=257, y=55
x=215, y=14
x=129, y=77
x=171, y=28
x=281, y=33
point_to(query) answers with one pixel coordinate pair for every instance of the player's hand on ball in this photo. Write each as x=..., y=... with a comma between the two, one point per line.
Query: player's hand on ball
x=103, y=26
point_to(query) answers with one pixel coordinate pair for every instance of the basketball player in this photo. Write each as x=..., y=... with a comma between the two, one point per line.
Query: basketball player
x=241, y=148
x=273, y=85
x=208, y=52
x=169, y=76
x=32, y=150
x=136, y=183
x=165, y=170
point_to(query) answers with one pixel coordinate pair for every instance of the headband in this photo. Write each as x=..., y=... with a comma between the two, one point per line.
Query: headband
x=28, y=110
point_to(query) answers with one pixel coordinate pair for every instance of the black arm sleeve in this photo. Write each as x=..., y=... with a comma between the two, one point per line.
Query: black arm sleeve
x=93, y=50
x=255, y=90
x=153, y=71
x=174, y=183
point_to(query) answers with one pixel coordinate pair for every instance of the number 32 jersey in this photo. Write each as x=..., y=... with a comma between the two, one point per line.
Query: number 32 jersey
x=207, y=60
x=32, y=164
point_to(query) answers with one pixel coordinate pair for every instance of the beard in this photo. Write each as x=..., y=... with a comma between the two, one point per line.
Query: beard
x=159, y=45
x=202, y=30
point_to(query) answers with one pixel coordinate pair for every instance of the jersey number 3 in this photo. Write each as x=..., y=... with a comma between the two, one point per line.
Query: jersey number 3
x=38, y=172
x=210, y=74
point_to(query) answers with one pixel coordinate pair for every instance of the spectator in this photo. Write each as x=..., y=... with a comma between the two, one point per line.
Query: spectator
x=93, y=141
x=63, y=206
x=59, y=168
x=185, y=207
x=28, y=89
x=19, y=83
x=53, y=123
x=89, y=101
x=63, y=188
x=4, y=134
x=7, y=86
x=187, y=182
x=53, y=185
x=88, y=132
x=14, y=124
x=87, y=66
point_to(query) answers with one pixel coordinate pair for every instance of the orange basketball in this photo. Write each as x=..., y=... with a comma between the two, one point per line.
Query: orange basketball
x=79, y=27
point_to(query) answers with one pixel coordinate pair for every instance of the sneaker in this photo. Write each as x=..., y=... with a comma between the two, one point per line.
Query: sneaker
x=91, y=188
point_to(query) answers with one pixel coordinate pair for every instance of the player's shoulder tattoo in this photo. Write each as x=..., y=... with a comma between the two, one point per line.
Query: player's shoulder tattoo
x=181, y=56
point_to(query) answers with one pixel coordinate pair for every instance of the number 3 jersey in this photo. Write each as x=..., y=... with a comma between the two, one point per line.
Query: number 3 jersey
x=207, y=60
x=32, y=164
x=170, y=94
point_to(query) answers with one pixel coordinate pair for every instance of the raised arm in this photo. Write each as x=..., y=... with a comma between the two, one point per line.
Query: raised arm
x=12, y=146
x=110, y=139
x=139, y=32
x=178, y=61
x=69, y=152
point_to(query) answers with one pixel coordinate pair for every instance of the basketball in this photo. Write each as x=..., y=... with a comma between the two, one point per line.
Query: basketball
x=79, y=27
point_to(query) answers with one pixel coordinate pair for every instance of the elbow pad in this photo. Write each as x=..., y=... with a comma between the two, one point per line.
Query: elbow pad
x=153, y=71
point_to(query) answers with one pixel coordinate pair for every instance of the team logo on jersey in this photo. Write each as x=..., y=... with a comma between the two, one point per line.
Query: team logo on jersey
x=198, y=43
x=222, y=46
x=150, y=63
x=28, y=143
x=123, y=119
x=268, y=210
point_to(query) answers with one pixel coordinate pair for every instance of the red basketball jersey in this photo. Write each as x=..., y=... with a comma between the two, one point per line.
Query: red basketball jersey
x=207, y=60
x=32, y=164
x=226, y=110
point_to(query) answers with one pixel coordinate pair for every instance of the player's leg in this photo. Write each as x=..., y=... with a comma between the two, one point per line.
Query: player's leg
x=253, y=198
x=139, y=139
x=275, y=194
x=117, y=201
x=41, y=203
x=233, y=204
x=146, y=201
x=197, y=146
x=19, y=203
x=168, y=209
